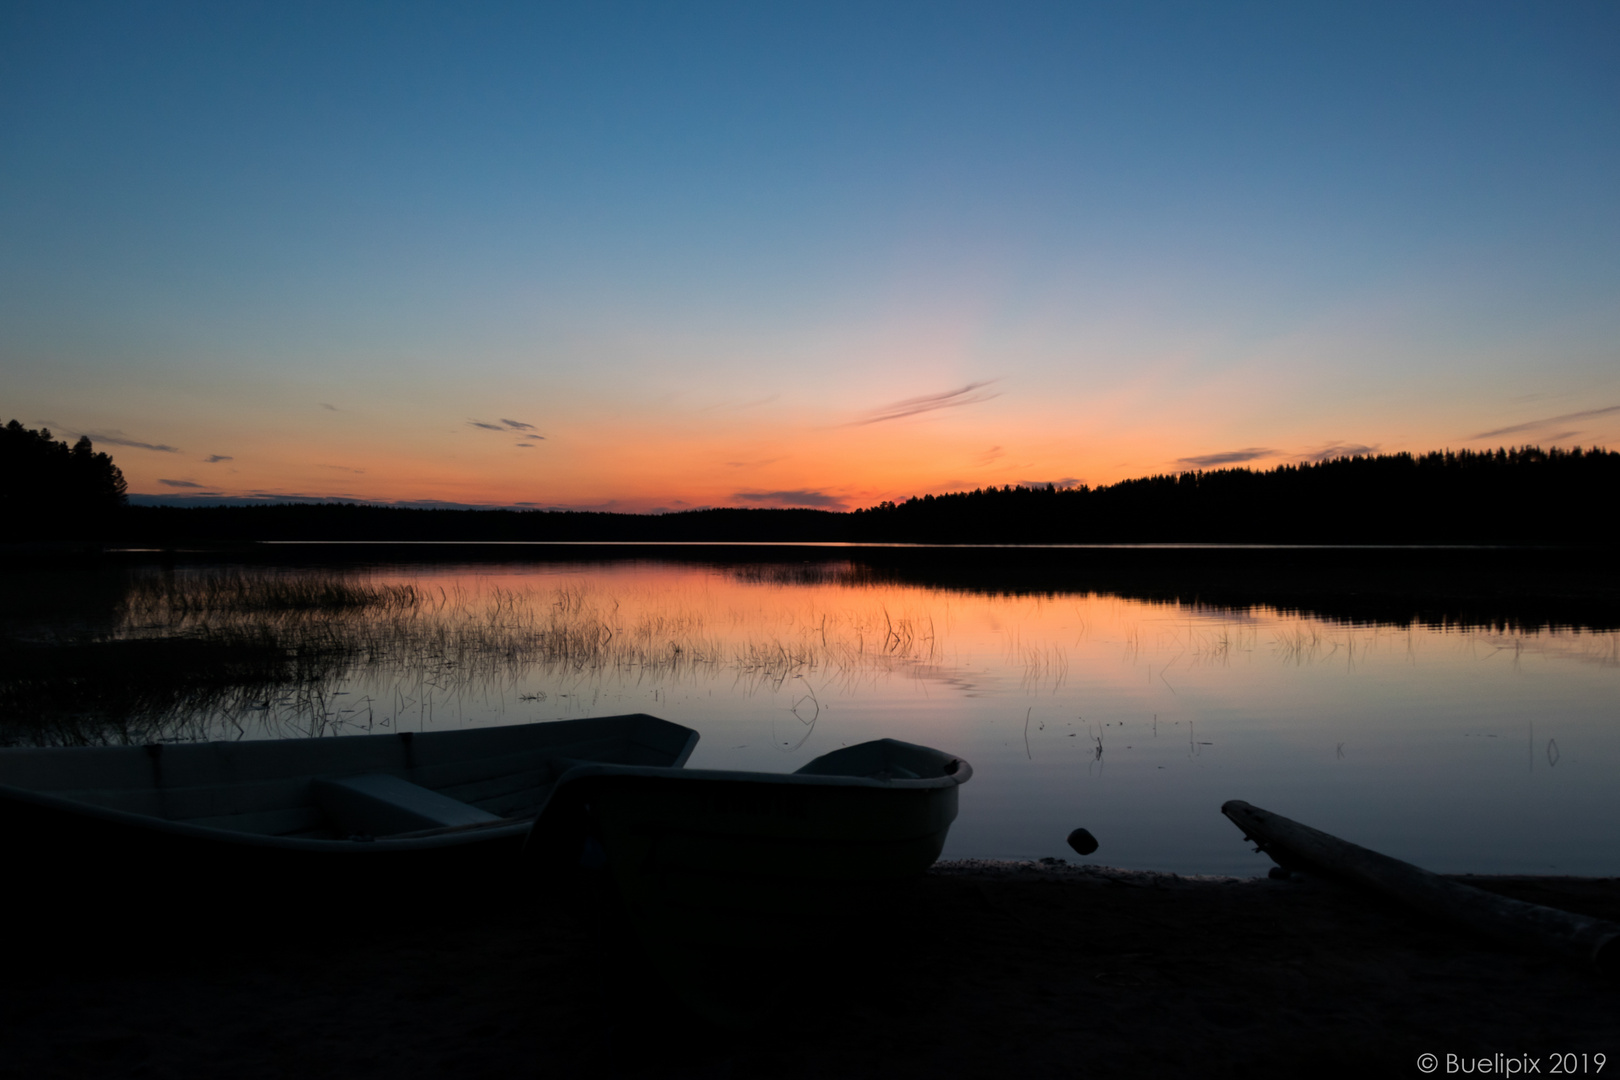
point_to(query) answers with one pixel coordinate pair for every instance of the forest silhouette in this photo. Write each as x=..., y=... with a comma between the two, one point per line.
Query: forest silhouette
x=1525, y=495
x=1520, y=496
x=50, y=490
x=1516, y=497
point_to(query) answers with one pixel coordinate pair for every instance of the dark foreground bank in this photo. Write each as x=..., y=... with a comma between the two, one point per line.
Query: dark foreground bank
x=983, y=969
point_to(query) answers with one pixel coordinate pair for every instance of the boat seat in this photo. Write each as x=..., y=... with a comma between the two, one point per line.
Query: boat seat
x=380, y=804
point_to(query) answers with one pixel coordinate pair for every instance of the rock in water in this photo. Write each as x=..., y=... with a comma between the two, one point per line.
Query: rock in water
x=1082, y=841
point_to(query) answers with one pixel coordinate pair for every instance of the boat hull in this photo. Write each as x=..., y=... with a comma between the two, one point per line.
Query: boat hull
x=720, y=873
x=182, y=816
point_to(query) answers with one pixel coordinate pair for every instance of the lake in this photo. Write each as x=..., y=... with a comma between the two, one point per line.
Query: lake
x=1491, y=748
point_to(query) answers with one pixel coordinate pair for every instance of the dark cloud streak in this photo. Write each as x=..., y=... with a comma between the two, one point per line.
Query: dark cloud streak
x=1230, y=457
x=971, y=394
x=818, y=500
x=1531, y=425
x=114, y=438
x=507, y=427
x=1339, y=450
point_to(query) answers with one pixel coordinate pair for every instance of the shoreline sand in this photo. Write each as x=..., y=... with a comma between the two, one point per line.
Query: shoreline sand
x=983, y=969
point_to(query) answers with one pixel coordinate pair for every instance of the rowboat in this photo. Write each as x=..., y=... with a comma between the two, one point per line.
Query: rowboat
x=875, y=811
x=713, y=868
x=360, y=809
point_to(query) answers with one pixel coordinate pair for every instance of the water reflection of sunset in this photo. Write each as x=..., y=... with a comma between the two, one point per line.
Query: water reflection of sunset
x=1484, y=750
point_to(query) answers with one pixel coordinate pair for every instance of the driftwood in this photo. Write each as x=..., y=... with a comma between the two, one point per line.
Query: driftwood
x=1299, y=847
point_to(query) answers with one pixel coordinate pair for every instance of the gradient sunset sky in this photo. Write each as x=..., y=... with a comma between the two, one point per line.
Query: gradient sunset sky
x=667, y=255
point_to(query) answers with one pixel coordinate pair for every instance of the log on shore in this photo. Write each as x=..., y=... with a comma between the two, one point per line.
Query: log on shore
x=1299, y=847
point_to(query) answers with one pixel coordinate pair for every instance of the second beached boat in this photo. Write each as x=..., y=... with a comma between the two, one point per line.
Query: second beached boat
x=717, y=870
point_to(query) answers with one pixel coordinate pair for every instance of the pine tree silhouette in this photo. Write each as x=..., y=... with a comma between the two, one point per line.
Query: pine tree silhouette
x=51, y=491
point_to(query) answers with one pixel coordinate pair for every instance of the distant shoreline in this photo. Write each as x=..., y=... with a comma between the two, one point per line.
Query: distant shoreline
x=1455, y=500
x=920, y=545
x=1521, y=587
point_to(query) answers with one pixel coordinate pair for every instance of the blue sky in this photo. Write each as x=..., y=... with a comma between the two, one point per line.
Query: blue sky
x=696, y=246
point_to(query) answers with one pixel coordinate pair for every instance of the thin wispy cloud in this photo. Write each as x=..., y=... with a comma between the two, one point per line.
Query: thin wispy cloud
x=441, y=504
x=118, y=438
x=251, y=498
x=292, y=496
x=610, y=506
x=1533, y=425
x=1062, y=484
x=509, y=427
x=818, y=500
x=215, y=459
x=1229, y=457
x=179, y=484
x=991, y=455
x=971, y=394
x=329, y=408
x=1339, y=450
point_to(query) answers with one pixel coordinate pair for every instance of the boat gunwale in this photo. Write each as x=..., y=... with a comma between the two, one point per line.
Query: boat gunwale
x=149, y=824
x=962, y=773
x=352, y=739
x=928, y=783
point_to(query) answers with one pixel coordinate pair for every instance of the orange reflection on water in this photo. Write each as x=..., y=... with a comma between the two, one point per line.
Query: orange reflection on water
x=1483, y=751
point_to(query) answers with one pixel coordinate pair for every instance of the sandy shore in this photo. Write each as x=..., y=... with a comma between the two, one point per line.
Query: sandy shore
x=983, y=969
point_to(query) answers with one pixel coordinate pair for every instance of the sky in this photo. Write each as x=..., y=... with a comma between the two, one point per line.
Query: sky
x=654, y=256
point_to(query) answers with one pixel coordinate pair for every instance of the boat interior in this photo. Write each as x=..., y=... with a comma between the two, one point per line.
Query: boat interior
x=361, y=786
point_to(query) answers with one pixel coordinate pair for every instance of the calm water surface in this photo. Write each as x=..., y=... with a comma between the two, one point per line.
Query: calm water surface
x=1471, y=750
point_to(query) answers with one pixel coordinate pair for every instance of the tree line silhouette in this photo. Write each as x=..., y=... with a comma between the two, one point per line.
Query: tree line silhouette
x=52, y=491
x=1519, y=496
x=1525, y=495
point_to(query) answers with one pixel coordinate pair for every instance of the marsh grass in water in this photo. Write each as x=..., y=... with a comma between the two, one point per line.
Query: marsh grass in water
x=182, y=652
x=132, y=690
x=227, y=654
x=165, y=601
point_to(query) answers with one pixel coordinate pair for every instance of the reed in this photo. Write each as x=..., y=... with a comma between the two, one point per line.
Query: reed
x=134, y=690
x=170, y=598
x=221, y=654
